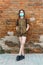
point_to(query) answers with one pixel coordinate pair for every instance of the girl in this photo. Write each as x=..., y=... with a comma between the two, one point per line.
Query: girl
x=22, y=27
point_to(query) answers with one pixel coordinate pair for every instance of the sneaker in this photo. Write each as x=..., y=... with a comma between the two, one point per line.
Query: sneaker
x=22, y=56
x=18, y=58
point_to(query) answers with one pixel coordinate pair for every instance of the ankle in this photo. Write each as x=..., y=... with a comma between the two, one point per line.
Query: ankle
x=19, y=54
x=23, y=54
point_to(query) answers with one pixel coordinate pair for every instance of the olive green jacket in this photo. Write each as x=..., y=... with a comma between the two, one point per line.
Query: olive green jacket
x=22, y=24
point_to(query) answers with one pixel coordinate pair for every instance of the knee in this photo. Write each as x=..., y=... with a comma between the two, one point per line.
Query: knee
x=23, y=42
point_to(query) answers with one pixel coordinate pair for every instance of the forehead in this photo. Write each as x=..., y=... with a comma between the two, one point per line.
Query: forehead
x=21, y=11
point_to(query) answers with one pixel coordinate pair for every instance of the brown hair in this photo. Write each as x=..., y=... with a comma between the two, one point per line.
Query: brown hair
x=19, y=12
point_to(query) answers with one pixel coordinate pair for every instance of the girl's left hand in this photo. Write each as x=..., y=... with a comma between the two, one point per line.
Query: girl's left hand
x=27, y=27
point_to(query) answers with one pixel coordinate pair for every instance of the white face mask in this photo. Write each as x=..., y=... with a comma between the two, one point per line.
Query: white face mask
x=21, y=14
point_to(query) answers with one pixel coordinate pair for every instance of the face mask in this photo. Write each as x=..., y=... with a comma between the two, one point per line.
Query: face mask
x=21, y=14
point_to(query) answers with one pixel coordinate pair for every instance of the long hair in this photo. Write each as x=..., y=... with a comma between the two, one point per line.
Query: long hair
x=19, y=12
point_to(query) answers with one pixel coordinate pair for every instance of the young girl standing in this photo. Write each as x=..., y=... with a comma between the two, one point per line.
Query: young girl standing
x=22, y=27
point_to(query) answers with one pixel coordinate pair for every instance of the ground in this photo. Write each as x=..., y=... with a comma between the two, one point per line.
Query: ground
x=30, y=59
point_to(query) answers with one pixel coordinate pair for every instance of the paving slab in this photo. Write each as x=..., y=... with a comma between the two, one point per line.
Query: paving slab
x=30, y=59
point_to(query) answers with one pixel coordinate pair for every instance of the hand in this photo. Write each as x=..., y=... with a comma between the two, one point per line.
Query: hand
x=27, y=27
x=17, y=28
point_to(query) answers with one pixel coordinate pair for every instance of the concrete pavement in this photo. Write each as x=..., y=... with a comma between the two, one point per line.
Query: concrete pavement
x=30, y=59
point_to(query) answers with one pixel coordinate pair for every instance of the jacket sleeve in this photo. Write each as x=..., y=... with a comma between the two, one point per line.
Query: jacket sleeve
x=17, y=23
x=27, y=22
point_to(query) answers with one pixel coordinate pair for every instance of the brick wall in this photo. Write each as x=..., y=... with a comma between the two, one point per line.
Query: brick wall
x=9, y=14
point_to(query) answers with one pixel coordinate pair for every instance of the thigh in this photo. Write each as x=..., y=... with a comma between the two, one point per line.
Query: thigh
x=23, y=39
x=20, y=38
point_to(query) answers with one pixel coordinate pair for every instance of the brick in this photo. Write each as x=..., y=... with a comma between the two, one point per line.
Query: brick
x=9, y=11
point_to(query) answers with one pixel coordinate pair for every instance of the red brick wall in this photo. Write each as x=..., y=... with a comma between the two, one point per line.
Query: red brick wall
x=9, y=14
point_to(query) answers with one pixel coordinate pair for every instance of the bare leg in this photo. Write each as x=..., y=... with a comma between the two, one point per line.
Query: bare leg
x=20, y=39
x=22, y=42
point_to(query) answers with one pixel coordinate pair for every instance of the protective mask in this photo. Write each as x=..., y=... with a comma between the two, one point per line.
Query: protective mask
x=21, y=14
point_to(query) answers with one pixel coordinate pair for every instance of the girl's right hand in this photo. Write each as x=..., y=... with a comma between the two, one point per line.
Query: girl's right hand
x=17, y=28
